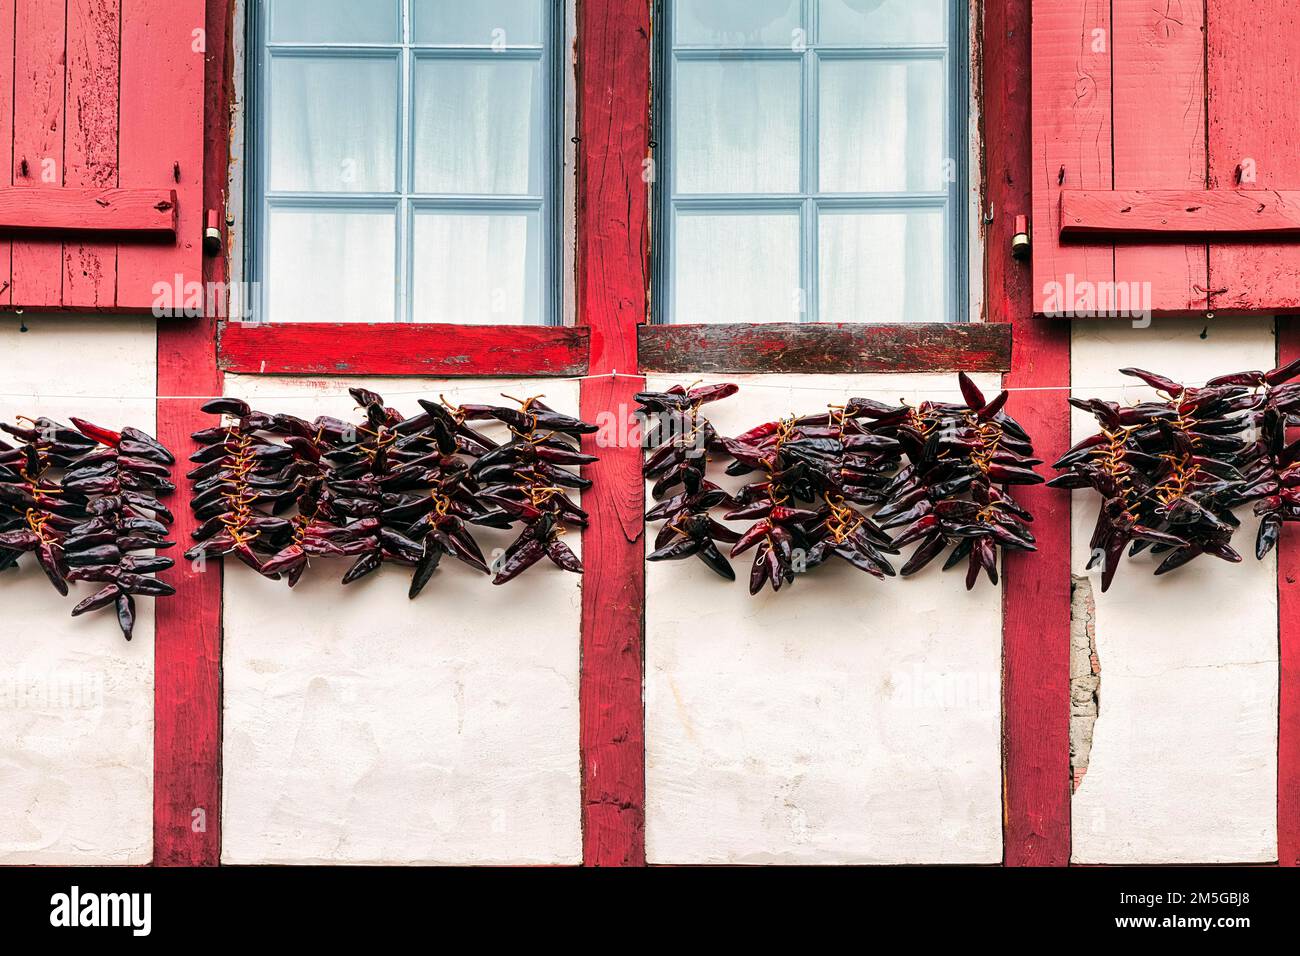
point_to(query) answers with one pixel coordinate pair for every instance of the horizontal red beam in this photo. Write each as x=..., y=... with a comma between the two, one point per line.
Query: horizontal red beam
x=1159, y=213
x=67, y=210
x=323, y=348
x=826, y=347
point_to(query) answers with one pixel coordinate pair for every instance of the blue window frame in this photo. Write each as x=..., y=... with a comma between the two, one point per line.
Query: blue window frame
x=811, y=160
x=405, y=160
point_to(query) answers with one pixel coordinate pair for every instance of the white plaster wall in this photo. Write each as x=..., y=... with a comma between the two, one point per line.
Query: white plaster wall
x=1184, y=758
x=361, y=727
x=76, y=700
x=847, y=720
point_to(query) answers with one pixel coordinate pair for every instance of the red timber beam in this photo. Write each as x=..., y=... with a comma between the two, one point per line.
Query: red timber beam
x=187, y=653
x=1036, y=590
x=612, y=278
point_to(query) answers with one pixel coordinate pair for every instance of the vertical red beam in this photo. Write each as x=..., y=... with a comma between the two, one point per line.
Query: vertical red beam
x=1288, y=622
x=1253, y=116
x=1036, y=588
x=187, y=655
x=94, y=34
x=1159, y=133
x=612, y=277
x=38, y=104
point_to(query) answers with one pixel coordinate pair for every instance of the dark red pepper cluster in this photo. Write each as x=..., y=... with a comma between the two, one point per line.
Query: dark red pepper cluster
x=277, y=490
x=932, y=470
x=84, y=501
x=1171, y=471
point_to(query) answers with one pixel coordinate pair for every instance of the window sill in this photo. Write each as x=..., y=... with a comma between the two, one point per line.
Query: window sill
x=435, y=350
x=825, y=348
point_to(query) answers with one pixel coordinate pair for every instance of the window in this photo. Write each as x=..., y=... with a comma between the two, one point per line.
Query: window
x=406, y=160
x=811, y=160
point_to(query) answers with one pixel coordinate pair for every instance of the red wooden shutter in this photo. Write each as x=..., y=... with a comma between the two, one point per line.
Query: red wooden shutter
x=1163, y=173
x=103, y=102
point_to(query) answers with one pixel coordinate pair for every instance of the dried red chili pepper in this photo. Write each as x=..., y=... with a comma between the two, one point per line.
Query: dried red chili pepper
x=85, y=503
x=1171, y=471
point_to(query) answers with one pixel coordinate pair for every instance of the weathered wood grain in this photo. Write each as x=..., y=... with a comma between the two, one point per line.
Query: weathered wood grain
x=187, y=658
x=1036, y=587
x=1169, y=213
x=90, y=268
x=826, y=348
x=160, y=141
x=1253, y=54
x=94, y=210
x=39, y=123
x=1159, y=139
x=434, y=349
x=1071, y=97
x=612, y=269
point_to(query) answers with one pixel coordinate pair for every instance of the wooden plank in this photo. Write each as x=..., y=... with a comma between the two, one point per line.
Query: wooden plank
x=326, y=348
x=825, y=347
x=1036, y=587
x=187, y=656
x=1288, y=627
x=1071, y=96
x=139, y=213
x=1159, y=136
x=161, y=142
x=7, y=28
x=90, y=268
x=612, y=271
x=1168, y=213
x=38, y=141
x=1253, y=117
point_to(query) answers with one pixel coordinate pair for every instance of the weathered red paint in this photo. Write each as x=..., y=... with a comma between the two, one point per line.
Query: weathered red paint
x=825, y=348
x=614, y=126
x=93, y=80
x=187, y=652
x=1036, y=587
x=303, y=348
x=139, y=213
x=161, y=138
x=1158, y=57
x=1071, y=126
x=38, y=96
x=1254, y=113
x=7, y=35
x=1166, y=213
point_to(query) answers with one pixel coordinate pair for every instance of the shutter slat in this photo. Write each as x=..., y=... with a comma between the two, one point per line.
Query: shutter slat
x=161, y=139
x=94, y=27
x=1071, y=137
x=1159, y=134
x=39, y=81
x=1254, y=58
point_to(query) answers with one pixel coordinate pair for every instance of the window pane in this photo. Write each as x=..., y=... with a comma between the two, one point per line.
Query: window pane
x=737, y=267
x=737, y=126
x=335, y=21
x=478, y=126
x=882, y=126
x=870, y=22
x=478, y=23
x=736, y=23
x=326, y=265
x=333, y=124
x=882, y=266
x=477, y=268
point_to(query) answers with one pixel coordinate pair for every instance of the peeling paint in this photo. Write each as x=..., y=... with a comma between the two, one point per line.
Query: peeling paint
x=1085, y=676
